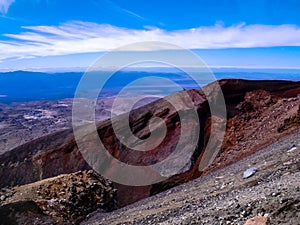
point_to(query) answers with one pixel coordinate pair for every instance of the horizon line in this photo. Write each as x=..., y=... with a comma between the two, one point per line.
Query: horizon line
x=138, y=69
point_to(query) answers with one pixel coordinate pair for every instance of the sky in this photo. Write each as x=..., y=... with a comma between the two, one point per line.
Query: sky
x=71, y=34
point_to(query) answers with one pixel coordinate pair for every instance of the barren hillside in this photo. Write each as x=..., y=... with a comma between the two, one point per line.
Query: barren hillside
x=259, y=113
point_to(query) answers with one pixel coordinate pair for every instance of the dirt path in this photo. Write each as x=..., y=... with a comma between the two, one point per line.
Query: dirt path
x=224, y=196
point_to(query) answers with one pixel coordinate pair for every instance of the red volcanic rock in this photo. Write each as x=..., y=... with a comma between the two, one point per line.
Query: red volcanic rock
x=258, y=220
x=262, y=118
x=252, y=108
x=42, y=158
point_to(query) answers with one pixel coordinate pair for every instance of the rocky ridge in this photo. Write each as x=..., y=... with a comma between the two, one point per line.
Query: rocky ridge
x=270, y=107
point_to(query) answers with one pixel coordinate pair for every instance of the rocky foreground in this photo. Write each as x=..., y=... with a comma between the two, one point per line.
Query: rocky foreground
x=225, y=196
x=259, y=113
x=67, y=198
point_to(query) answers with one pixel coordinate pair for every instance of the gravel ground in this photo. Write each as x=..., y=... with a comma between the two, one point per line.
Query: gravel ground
x=224, y=196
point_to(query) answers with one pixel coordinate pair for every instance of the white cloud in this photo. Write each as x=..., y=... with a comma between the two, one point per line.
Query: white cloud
x=83, y=37
x=4, y=5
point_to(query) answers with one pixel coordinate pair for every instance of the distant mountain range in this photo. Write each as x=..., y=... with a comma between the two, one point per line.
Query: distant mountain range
x=26, y=86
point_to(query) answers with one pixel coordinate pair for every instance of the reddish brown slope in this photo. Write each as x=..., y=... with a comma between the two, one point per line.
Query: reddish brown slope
x=256, y=118
x=58, y=153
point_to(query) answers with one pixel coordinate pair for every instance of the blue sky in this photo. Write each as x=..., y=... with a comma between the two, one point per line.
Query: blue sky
x=70, y=34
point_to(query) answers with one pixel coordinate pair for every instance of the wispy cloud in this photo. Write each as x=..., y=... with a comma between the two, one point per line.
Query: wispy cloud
x=4, y=5
x=83, y=37
x=117, y=7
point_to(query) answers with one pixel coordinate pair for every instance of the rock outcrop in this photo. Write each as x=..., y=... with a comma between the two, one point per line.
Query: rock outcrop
x=67, y=198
